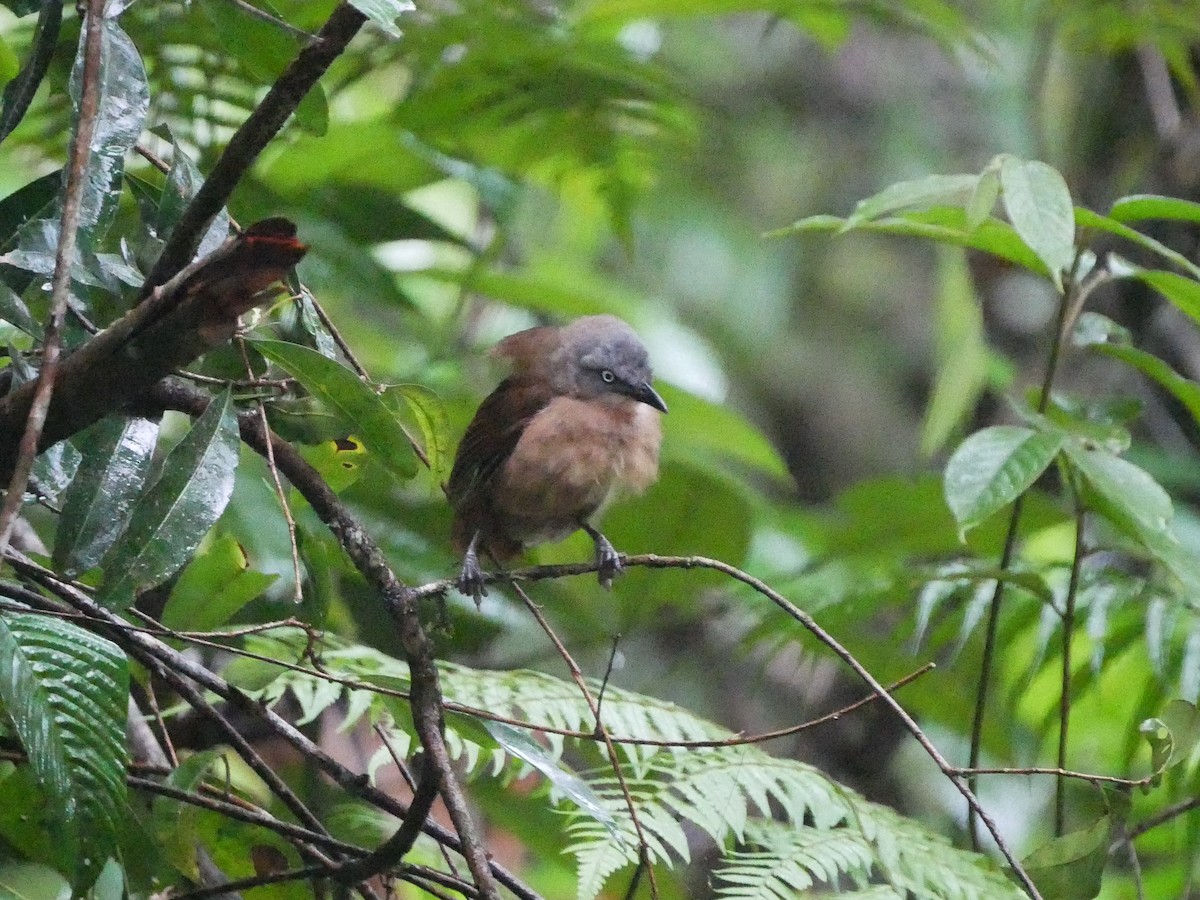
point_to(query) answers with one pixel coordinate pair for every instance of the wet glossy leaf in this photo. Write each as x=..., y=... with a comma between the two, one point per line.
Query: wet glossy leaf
x=65, y=692
x=183, y=181
x=384, y=12
x=28, y=202
x=992, y=468
x=1039, y=206
x=174, y=513
x=116, y=459
x=123, y=104
x=14, y=311
x=362, y=410
x=54, y=468
x=519, y=744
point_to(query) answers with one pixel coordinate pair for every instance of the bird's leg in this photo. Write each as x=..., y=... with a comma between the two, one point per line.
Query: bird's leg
x=470, y=576
x=608, y=561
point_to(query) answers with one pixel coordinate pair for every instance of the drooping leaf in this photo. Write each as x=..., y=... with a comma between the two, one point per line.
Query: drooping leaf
x=27, y=202
x=993, y=467
x=54, y=469
x=174, y=513
x=14, y=311
x=1070, y=867
x=116, y=459
x=65, y=692
x=1173, y=735
x=363, y=411
x=183, y=180
x=1039, y=206
x=429, y=413
x=962, y=354
x=213, y=587
x=983, y=198
x=1086, y=218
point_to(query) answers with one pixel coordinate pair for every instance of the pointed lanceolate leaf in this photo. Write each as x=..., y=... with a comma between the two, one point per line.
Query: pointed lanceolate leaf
x=65, y=692
x=116, y=459
x=123, y=104
x=183, y=181
x=1139, y=207
x=1128, y=494
x=1039, y=206
x=174, y=514
x=384, y=12
x=932, y=190
x=363, y=411
x=993, y=467
x=214, y=586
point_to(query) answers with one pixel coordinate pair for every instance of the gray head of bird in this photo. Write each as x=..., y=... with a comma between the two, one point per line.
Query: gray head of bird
x=601, y=356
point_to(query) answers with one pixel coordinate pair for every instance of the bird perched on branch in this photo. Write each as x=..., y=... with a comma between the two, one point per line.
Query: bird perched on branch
x=574, y=425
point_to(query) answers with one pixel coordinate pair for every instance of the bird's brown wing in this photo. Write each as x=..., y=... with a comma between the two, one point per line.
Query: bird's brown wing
x=489, y=441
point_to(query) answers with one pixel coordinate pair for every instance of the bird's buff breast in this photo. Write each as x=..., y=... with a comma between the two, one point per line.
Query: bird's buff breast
x=572, y=459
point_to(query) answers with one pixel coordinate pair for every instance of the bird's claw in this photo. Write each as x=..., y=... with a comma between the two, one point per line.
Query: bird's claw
x=470, y=581
x=608, y=562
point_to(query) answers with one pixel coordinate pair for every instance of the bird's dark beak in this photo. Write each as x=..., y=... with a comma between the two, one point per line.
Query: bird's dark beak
x=648, y=395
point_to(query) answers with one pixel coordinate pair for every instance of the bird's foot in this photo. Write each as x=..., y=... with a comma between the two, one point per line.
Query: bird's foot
x=608, y=561
x=470, y=581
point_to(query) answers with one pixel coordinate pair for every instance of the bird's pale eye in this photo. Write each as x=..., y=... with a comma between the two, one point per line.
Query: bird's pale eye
x=608, y=376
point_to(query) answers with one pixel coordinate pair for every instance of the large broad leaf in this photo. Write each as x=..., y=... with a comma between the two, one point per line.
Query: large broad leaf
x=116, y=459
x=1129, y=498
x=29, y=880
x=1070, y=867
x=362, y=410
x=173, y=515
x=27, y=203
x=65, y=691
x=993, y=467
x=123, y=104
x=214, y=586
x=1039, y=206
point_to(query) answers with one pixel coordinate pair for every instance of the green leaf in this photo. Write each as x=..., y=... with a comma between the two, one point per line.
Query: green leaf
x=14, y=311
x=1173, y=735
x=174, y=513
x=920, y=192
x=1138, y=207
x=183, y=180
x=1131, y=497
x=101, y=497
x=215, y=585
x=946, y=225
x=962, y=354
x=65, y=691
x=1070, y=867
x=1085, y=218
x=30, y=881
x=384, y=13
x=172, y=823
x=9, y=64
x=992, y=468
x=123, y=104
x=1181, y=290
x=27, y=202
x=518, y=743
x=716, y=432
x=984, y=197
x=362, y=410
x=429, y=413
x=1039, y=206
x=1184, y=390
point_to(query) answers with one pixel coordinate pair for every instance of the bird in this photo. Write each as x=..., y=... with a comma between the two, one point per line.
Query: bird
x=576, y=424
